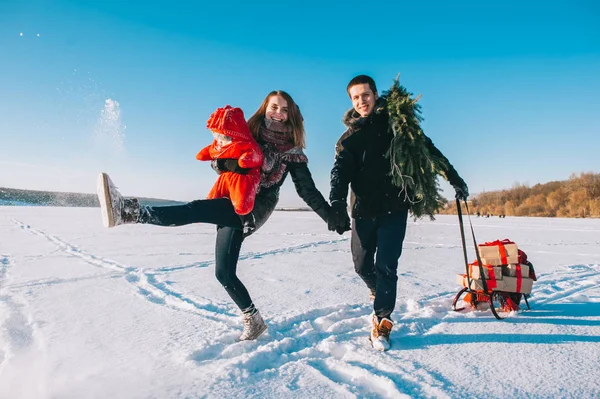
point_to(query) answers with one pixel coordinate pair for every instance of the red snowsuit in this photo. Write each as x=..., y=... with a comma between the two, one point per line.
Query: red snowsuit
x=240, y=189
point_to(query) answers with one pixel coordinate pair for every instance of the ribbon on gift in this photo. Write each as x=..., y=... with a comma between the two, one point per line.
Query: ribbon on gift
x=491, y=280
x=519, y=278
x=501, y=249
x=491, y=272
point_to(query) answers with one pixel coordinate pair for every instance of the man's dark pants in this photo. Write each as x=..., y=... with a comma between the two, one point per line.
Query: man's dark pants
x=376, y=245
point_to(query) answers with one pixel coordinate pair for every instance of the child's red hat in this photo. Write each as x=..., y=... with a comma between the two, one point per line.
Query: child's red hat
x=229, y=121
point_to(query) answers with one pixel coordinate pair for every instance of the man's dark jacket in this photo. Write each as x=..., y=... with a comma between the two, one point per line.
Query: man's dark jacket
x=361, y=162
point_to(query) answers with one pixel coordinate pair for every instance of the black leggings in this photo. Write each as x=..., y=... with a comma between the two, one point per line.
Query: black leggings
x=229, y=237
x=214, y=211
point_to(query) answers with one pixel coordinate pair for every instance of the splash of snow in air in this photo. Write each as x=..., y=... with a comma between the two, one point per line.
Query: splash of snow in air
x=110, y=127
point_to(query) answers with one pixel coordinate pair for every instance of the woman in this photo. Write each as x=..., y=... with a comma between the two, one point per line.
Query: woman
x=279, y=129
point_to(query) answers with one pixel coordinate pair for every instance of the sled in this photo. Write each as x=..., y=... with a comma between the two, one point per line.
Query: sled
x=501, y=303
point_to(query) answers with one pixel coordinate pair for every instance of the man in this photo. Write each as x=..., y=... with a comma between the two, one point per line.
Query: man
x=380, y=207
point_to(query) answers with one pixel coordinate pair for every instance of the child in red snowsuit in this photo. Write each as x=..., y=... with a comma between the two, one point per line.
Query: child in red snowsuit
x=233, y=140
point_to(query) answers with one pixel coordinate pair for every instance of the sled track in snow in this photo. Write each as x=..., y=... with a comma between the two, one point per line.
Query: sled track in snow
x=75, y=251
x=145, y=283
x=305, y=340
x=332, y=342
x=414, y=245
x=575, y=280
x=17, y=330
x=256, y=255
x=18, y=341
x=522, y=227
x=288, y=250
x=148, y=283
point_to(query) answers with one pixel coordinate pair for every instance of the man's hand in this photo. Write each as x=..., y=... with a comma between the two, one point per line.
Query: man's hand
x=462, y=191
x=338, y=219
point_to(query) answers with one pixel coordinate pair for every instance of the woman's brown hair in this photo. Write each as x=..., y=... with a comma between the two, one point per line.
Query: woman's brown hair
x=295, y=118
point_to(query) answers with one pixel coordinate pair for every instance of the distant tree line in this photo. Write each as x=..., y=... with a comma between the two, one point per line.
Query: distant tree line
x=577, y=197
x=16, y=197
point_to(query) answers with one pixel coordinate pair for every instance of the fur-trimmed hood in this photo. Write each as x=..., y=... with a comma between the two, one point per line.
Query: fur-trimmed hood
x=353, y=120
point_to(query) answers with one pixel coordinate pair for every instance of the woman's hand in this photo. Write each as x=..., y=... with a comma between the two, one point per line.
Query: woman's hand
x=228, y=165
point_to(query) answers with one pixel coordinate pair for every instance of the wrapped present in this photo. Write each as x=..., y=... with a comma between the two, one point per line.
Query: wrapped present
x=498, y=252
x=507, y=284
x=476, y=284
x=489, y=271
x=517, y=270
x=514, y=284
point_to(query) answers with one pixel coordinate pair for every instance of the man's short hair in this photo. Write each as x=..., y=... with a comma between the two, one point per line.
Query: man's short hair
x=362, y=79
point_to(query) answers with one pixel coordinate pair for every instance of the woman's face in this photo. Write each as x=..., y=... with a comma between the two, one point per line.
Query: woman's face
x=277, y=109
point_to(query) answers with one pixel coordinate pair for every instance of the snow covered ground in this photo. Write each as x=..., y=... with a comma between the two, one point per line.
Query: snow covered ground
x=135, y=312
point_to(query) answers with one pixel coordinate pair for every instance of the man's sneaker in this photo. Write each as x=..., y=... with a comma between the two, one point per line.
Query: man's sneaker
x=115, y=209
x=380, y=333
x=254, y=326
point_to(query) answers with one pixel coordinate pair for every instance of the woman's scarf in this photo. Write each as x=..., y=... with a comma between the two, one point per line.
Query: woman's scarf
x=277, y=143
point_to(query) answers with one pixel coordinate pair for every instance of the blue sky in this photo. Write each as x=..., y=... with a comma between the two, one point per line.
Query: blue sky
x=509, y=90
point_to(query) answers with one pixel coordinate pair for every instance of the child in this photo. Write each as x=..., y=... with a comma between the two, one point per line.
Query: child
x=233, y=141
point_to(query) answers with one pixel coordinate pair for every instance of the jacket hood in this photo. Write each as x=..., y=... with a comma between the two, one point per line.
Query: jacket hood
x=229, y=121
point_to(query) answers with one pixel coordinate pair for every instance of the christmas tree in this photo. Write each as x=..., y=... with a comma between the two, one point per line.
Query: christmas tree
x=414, y=168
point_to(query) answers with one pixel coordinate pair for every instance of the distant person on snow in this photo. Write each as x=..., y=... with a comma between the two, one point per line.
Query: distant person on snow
x=278, y=127
x=391, y=167
x=233, y=143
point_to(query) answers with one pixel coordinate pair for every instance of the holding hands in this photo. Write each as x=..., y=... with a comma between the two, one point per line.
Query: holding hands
x=338, y=219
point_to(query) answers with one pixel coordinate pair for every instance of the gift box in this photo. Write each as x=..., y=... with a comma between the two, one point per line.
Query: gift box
x=489, y=271
x=507, y=284
x=517, y=270
x=498, y=252
x=476, y=284
x=514, y=284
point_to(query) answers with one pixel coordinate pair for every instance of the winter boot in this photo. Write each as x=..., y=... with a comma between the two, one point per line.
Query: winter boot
x=115, y=209
x=254, y=326
x=380, y=333
x=248, y=223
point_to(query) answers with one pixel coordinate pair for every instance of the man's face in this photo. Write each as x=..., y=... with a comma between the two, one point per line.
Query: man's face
x=363, y=99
